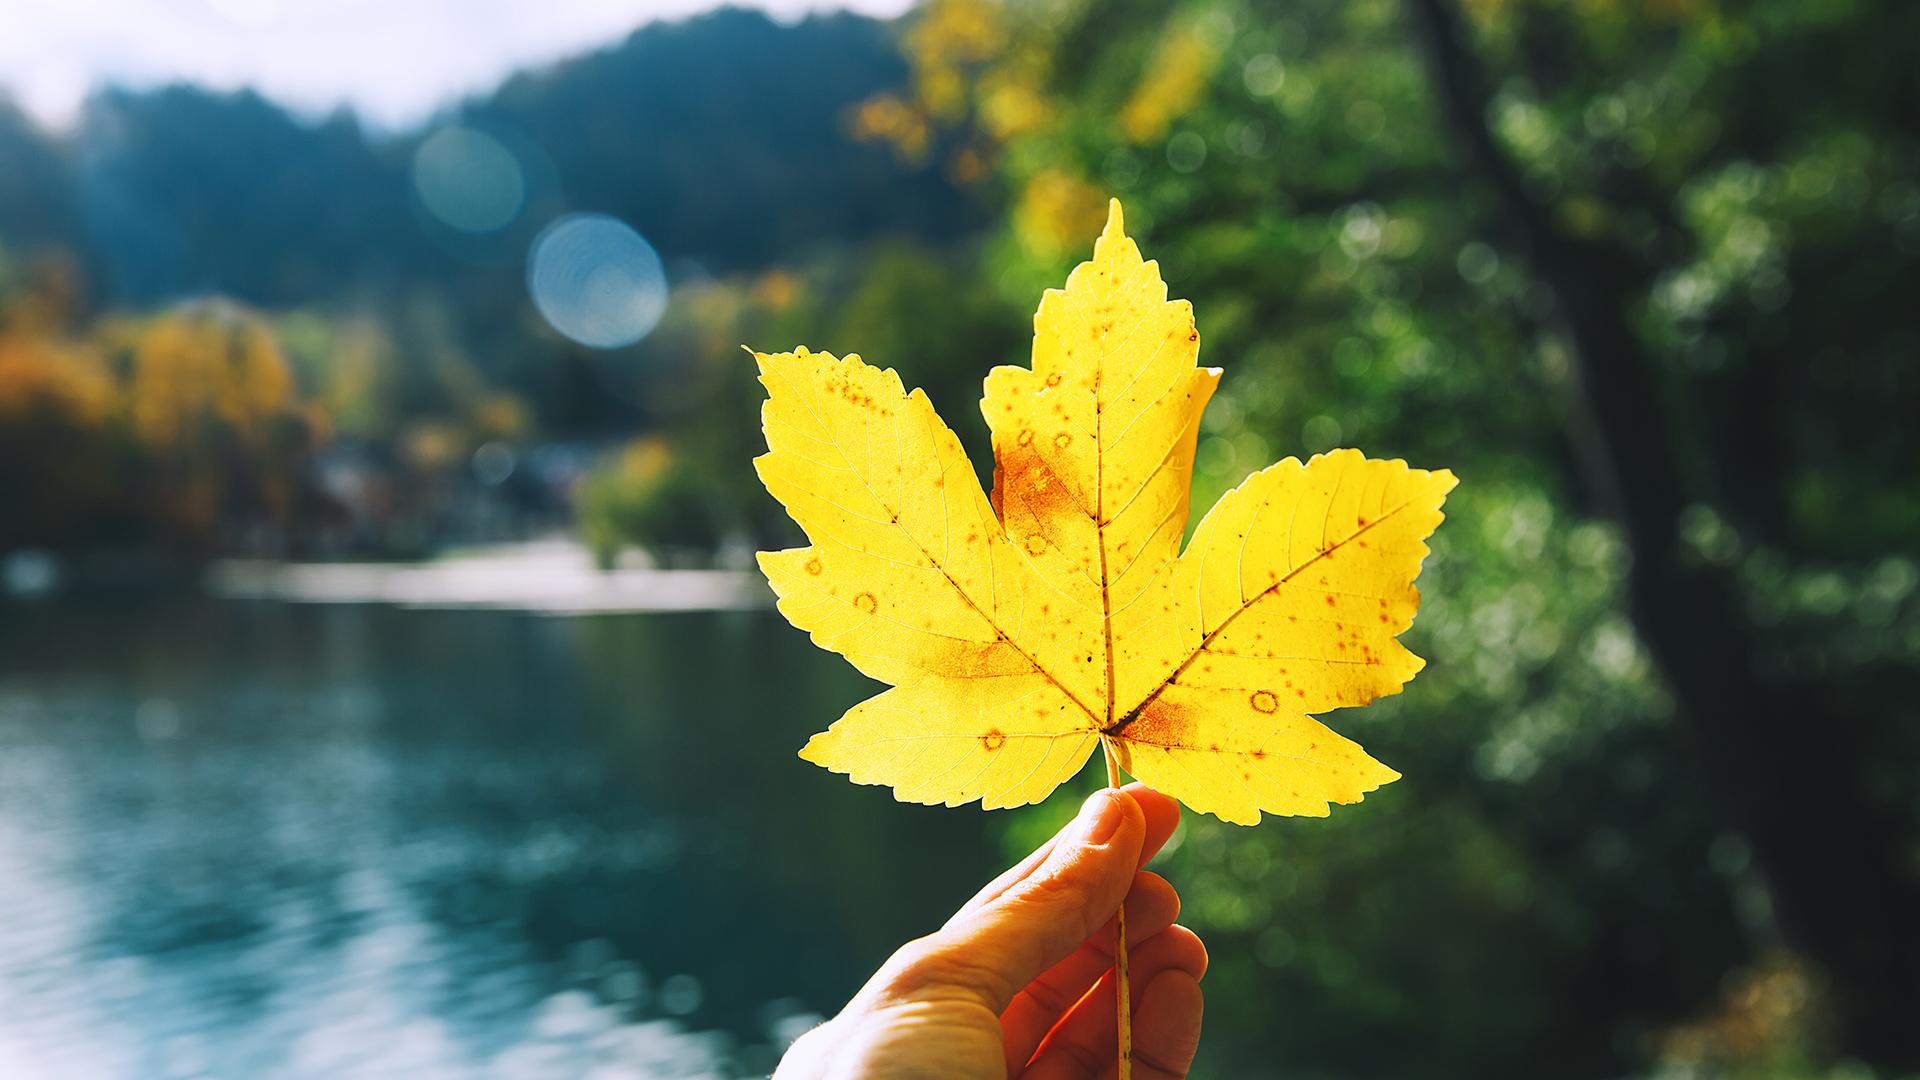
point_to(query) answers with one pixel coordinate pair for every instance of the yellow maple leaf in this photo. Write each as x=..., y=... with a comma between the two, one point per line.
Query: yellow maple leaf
x=1020, y=631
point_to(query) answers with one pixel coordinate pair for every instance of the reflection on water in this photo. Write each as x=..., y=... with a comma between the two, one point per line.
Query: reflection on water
x=265, y=840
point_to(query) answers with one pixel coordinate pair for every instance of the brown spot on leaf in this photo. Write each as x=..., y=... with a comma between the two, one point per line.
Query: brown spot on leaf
x=1032, y=486
x=1163, y=723
x=993, y=740
x=1025, y=436
x=1061, y=440
x=866, y=602
x=813, y=567
x=1036, y=544
x=1264, y=701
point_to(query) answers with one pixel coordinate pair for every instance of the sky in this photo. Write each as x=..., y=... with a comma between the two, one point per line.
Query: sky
x=394, y=61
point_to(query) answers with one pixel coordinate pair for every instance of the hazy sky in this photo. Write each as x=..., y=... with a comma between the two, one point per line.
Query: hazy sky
x=393, y=60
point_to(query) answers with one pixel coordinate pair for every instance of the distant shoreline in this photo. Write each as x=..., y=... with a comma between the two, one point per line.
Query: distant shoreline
x=549, y=577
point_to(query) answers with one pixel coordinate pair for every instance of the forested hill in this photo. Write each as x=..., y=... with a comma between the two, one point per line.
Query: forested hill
x=720, y=138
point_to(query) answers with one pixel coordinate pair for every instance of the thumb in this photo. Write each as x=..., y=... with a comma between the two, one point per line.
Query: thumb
x=992, y=951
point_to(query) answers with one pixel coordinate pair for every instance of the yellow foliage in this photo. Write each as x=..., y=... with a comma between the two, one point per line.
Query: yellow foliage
x=889, y=119
x=967, y=166
x=1171, y=86
x=187, y=421
x=500, y=416
x=432, y=445
x=1009, y=107
x=1021, y=630
x=42, y=377
x=192, y=367
x=974, y=62
x=645, y=460
x=1054, y=211
x=777, y=290
x=949, y=37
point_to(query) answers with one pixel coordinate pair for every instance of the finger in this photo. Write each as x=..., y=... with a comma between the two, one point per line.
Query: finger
x=1162, y=815
x=1085, y=1043
x=1152, y=905
x=993, y=951
x=1166, y=1026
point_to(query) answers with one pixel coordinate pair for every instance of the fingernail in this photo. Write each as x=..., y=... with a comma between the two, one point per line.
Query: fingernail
x=1100, y=818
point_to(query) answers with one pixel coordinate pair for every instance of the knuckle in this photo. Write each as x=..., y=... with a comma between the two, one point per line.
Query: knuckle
x=1053, y=891
x=1063, y=898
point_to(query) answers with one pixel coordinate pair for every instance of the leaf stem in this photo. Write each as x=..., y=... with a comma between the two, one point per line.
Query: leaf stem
x=1122, y=996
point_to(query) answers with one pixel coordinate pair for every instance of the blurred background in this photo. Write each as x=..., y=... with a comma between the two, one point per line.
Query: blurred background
x=385, y=688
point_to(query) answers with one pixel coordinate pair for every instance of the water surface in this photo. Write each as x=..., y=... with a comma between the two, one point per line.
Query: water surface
x=244, y=839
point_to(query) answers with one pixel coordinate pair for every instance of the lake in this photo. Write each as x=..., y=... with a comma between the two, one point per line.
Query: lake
x=254, y=839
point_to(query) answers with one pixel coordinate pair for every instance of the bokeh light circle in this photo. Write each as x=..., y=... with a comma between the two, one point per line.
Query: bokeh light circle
x=468, y=180
x=596, y=280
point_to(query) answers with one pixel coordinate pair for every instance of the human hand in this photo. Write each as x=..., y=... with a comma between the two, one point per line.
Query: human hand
x=1019, y=982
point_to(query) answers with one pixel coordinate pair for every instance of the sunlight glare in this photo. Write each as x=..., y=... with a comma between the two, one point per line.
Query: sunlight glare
x=469, y=181
x=596, y=280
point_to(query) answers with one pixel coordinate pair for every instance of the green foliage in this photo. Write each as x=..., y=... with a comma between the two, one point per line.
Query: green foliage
x=1562, y=875
x=646, y=496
